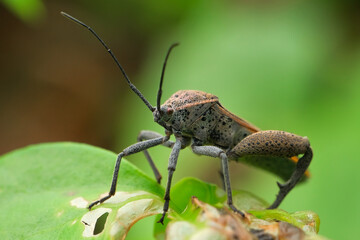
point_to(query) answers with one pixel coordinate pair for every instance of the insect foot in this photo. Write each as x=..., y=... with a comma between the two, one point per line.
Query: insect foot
x=237, y=210
x=162, y=218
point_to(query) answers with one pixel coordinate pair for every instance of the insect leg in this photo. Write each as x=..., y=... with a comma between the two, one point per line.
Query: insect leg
x=146, y=135
x=213, y=151
x=273, y=144
x=137, y=147
x=171, y=168
x=221, y=174
x=286, y=187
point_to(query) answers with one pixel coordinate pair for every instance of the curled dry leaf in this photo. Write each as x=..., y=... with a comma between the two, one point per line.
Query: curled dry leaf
x=221, y=223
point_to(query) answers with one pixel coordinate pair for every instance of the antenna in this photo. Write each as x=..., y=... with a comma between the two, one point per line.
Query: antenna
x=132, y=86
x=162, y=76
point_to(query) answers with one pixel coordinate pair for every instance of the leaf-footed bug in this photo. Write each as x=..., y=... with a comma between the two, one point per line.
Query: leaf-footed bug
x=197, y=119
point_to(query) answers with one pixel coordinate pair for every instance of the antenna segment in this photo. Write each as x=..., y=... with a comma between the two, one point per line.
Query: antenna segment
x=162, y=76
x=132, y=86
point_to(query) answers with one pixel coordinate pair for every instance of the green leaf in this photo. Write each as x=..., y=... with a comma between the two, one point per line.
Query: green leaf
x=186, y=188
x=45, y=189
x=301, y=219
x=37, y=184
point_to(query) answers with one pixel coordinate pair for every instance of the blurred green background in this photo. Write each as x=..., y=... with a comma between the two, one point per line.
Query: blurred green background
x=286, y=65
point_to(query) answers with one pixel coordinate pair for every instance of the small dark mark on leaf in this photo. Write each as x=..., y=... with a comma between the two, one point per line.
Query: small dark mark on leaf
x=85, y=223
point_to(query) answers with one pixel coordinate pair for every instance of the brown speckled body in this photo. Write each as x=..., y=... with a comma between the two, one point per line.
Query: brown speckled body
x=276, y=143
x=199, y=116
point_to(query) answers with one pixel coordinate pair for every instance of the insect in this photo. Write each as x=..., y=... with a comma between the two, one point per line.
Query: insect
x=197, y=119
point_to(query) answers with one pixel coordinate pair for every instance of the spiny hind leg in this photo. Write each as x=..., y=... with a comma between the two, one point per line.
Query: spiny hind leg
x=280, y=144
x=301, y=166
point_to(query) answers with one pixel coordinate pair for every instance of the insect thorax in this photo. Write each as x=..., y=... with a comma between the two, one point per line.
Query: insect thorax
x=198, y=115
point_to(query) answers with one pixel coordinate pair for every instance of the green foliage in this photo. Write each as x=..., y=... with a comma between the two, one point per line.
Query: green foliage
x=28, y=11
x=38, y=182
x=45, y=189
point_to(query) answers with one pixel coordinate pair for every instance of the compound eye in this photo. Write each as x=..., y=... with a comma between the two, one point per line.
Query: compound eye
x=169, y=111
